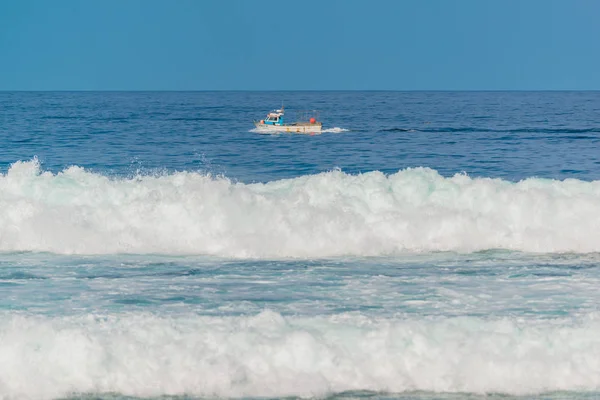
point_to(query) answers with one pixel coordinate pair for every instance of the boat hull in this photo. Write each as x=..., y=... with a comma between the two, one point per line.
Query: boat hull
x=290, y=128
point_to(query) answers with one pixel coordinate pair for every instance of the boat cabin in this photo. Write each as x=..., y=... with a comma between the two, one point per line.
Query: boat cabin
x=274, y=118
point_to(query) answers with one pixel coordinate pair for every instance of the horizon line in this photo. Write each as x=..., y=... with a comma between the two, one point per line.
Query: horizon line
x=289, y=90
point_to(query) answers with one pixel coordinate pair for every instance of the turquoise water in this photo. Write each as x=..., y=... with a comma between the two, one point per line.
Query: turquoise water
x=425, y=246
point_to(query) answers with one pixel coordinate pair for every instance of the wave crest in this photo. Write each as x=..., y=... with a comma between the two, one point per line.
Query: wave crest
x=268, y=355
x=328, y=214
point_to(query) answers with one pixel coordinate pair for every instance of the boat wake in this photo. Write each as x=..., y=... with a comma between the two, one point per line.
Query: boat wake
x=335, y=130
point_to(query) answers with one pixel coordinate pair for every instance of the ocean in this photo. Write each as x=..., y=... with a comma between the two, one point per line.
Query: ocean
x=426, y=245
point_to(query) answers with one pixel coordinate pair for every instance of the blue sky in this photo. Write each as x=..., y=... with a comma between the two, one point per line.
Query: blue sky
x=299, y=45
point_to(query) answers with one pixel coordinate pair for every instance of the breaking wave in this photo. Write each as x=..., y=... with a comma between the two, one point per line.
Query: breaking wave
x=268, y=355
x=329, y=214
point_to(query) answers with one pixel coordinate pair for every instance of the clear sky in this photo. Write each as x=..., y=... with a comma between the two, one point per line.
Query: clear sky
x=299, y=45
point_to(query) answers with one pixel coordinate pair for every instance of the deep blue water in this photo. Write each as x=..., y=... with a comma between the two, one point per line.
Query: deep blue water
x=425, y=245
x=494, y=134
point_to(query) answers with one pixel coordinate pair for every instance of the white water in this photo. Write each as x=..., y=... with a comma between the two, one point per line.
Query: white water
x=329, y=214
x=268, y=355
x=334, y=130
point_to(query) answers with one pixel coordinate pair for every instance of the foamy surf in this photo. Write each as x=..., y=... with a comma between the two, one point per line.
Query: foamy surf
x=268, y=355
x=329, y=214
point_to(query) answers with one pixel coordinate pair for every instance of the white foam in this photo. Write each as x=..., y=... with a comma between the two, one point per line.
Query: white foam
x=334, y=130
x=268, y=355
x=329, y=214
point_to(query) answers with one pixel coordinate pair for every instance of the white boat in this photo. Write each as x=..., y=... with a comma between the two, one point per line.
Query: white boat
x=275, y=122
